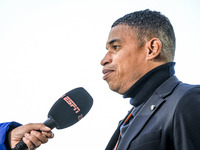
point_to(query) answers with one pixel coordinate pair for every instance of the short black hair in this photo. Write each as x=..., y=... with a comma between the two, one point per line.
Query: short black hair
x=149, y=24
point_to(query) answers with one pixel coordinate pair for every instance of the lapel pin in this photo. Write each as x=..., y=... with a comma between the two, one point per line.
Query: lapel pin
x=153, y=107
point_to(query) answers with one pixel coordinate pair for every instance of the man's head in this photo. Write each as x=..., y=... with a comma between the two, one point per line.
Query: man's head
x=151, y=24
x=137, y=43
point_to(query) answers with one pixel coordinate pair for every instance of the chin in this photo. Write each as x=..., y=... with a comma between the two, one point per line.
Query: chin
x=114, y=89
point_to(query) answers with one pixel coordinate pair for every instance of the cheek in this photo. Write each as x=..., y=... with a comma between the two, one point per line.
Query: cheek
x=123, y=68
x=130, y=67
x=125, y=63
x=120, y=62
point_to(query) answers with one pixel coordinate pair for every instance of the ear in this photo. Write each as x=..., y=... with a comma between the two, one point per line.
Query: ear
x=154, y=48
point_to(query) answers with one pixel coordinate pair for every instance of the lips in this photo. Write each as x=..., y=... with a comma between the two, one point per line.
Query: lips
x=106, y=73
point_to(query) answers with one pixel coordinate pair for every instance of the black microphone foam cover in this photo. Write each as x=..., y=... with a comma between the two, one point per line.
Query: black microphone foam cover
x=71, y=107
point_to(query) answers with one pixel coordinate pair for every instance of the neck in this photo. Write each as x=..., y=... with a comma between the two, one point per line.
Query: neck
x=145, y=86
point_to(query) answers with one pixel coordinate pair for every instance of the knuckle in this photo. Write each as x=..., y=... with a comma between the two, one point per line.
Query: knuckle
x=29, y=124
x=36, y=133
x=28, y=143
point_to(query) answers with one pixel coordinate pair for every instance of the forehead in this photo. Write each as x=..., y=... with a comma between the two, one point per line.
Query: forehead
x=120, y=33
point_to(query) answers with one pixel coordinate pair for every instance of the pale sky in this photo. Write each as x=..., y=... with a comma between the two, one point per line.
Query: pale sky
x=49, y=47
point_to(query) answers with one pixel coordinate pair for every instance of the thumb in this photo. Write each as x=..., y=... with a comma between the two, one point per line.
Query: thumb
x=37, y=126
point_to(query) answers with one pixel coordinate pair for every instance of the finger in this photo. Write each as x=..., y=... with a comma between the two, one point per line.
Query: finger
x=28, y=143
x=48, y=134
x=33, y=139
x=39, y=136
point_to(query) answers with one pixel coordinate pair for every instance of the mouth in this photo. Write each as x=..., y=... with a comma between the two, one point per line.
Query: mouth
x=106, y=73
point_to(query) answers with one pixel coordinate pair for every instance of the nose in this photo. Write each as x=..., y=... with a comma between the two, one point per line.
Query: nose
x=107, y=59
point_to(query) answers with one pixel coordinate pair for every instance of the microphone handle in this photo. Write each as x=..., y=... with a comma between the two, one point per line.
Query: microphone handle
x=49, y=123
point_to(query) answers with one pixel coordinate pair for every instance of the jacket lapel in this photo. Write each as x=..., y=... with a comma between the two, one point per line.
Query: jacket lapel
x=149, y=108
x=115, y=136
x=140, y=120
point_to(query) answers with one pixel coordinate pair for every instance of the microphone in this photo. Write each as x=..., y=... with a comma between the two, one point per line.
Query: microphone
x=66, y=111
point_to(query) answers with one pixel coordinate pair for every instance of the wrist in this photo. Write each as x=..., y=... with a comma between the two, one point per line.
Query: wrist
x=8, y=139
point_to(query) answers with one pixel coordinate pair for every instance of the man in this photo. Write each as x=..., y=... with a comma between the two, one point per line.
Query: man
x=139, y=65
x=12, y=133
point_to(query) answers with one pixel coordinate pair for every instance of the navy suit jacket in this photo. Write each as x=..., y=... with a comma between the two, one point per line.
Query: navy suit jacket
x=172, y=124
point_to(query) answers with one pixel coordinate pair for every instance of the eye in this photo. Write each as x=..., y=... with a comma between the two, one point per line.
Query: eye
x=116, y=47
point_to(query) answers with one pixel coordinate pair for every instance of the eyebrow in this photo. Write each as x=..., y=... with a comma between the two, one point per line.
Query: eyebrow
x=113, y=41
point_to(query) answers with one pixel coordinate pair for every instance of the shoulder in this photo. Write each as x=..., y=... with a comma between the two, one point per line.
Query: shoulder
x=190, y=94
x=189, y=101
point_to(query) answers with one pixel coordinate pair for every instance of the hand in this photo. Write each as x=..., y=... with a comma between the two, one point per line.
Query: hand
x=31, y=137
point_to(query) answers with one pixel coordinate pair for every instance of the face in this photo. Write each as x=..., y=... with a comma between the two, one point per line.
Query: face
x=124, y=62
